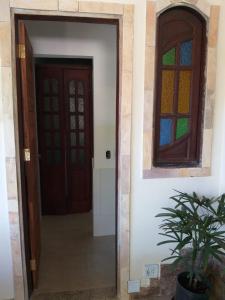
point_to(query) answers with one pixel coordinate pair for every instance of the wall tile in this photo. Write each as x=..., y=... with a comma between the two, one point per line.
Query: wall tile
x=19, y=288
x=204, y=7
x=150, y=67
x=125, y=136
x=6, y=89
x=4, y=11
x=125, y=174
x=127, y=57
x=128, y=13
x=68, y=5
x=11, y=177
x=151, y=23
x=127, y=92
x=148, y=110
x=35, y=4
x=211, y=71
x=213, y=26
x=147, y=149
x=5, y=44
x=101, y=8
x=162, y=4
x=13, y=205
x=207, y=148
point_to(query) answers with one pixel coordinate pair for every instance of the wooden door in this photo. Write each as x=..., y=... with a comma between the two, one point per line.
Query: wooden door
x=65, y=138
x=30, y=146
x=51, y=139
x=77, y=93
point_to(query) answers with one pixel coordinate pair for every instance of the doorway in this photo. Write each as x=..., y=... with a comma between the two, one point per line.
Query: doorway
x=63, y=145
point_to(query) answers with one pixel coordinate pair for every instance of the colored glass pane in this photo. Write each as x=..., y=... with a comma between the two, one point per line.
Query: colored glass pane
x=167, y=91
x=165, y=131
x=186, y=53
x=169, y=58
x=184, y=91
x=182, y=127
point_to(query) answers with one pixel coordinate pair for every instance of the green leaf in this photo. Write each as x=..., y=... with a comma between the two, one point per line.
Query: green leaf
x=166, y=242
x=169, y=258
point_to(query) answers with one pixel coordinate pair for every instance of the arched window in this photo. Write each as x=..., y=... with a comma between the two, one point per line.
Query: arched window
x=181, y=41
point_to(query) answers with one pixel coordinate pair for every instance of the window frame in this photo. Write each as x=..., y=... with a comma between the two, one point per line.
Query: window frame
x=211, y=13
x=193, y=139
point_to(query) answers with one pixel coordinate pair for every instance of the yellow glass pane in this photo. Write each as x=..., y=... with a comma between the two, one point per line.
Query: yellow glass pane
x=184, y=92
x=167, y=95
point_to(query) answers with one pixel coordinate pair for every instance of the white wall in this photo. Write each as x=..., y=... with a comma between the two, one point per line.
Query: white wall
x=98, y=42
x=148, y=196
x=6, y=279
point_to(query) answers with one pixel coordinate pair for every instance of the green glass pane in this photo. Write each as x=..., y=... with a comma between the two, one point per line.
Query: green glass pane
x=169, y=58
x=182, y=127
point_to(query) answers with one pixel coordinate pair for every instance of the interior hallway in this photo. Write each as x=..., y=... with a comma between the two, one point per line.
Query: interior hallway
x=72, y=259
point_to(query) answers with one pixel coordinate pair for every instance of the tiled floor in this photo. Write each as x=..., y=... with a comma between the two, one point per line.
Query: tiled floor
x=73, y=260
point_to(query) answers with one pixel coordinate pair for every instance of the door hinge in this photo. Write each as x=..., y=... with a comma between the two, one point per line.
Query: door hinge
x=21, y=51
x=26, y=154
x=33, y=265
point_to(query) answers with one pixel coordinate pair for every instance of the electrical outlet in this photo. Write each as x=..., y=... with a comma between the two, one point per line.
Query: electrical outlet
x=152, y=271
x=133, y=286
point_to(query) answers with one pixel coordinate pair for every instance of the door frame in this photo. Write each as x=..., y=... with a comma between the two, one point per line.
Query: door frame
x=122, y=16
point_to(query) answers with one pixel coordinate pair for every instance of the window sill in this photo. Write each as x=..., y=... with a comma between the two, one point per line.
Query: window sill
x=157, y=172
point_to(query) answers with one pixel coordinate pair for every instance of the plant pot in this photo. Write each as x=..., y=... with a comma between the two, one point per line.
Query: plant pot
x=183, y=293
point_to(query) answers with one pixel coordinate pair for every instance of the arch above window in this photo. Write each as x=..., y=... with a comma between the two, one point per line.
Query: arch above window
x=179, y=87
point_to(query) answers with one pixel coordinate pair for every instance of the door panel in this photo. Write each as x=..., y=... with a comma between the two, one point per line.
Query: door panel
x=51, y=140
x=30, y=142
x=78, y=131
x=65, y=134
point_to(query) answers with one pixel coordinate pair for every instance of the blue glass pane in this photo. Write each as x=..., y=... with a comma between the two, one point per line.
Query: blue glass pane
x=186, y=53
x=165, y=131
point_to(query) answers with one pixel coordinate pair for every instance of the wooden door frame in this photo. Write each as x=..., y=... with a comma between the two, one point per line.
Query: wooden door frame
x=123, y=151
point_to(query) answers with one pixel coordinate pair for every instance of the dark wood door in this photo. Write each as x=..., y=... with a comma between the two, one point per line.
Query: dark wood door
x=31, y=149
x=65, y=135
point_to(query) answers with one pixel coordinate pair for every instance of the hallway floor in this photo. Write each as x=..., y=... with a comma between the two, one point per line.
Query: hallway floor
x=73, y=261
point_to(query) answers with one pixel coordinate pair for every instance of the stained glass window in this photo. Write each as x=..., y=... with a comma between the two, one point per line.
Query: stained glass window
x=165, y=131
x=184, y=93
x=182, y=127
x=169, y=58
x=179, y=82
x=167, y=91
x=186, y=53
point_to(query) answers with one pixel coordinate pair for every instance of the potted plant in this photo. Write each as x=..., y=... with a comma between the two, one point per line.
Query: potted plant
x=195, y=229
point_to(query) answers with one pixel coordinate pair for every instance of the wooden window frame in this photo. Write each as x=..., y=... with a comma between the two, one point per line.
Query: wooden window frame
x=194, y=137
x=211, y=14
